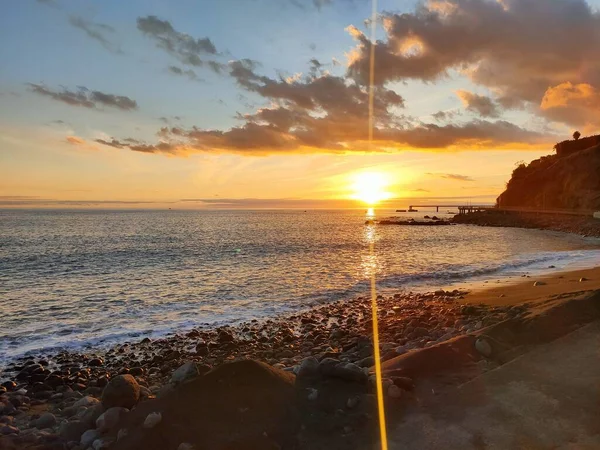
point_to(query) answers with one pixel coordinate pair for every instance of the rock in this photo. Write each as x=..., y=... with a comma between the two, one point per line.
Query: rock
x=202, y=349
x=539, y=283
x=350, y=372
x=72, y=430
x=394, y=391
x=352, y=402
x=225, y=336
x=420, y=332
x=185, y=446
x=309, y=367
x=152, y=420
x=90, y=416
x=582, y=279
x=313, y=394
x=96, y=362
x=369, y=361
x=8, y=429
x=483, y=347
x=88, y=437
x=110, y=419
x=86, y=401
x=122, y=390
x=9, y=385
x=185, y=372
x=46, y=420
x=327, y=366
x=102, y=443
x=122, y=434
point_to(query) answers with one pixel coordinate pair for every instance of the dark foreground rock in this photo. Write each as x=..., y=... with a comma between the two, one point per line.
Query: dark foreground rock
x=235, y=404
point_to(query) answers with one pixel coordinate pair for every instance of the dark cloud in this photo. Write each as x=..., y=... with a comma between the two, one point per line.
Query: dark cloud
x=189, y=73
x=86, y=98
x=188, y=50
x=326, y=113
x=452, y=176
x=517, y=48
x=97, y=32
x=440, y=116
x=480, y=104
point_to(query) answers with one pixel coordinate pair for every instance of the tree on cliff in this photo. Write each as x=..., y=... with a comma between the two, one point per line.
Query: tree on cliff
x=576, y=135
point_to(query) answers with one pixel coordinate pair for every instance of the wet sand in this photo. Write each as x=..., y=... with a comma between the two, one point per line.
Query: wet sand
x=531, y=289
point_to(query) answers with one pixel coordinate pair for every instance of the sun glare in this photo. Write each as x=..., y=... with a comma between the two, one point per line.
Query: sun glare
x=370, y=187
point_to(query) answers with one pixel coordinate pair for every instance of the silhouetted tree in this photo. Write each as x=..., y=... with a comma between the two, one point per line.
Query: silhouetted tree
x=576, y=135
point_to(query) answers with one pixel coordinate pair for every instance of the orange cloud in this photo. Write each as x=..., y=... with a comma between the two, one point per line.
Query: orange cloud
x=574, y=104
x=74, y=140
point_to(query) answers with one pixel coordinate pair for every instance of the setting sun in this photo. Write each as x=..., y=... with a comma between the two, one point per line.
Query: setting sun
x=370, y=187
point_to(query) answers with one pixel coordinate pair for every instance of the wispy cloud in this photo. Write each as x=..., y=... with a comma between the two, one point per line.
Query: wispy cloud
x=85, y=98
x=96, y=31
x=452, y=176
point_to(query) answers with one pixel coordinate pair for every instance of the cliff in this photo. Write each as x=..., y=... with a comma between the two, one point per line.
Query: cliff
x=569, y=179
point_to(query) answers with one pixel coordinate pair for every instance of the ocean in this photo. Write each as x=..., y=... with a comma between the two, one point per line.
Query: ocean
x=85, y=279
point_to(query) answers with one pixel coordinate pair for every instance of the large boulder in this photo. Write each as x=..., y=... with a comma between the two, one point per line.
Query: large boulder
x=243, y=400
x=121, y=390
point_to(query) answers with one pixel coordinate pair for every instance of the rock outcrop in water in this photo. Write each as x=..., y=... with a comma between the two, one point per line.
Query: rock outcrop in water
x=569, y=179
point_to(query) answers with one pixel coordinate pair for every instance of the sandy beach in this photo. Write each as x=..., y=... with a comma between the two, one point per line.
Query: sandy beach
x=526, y=289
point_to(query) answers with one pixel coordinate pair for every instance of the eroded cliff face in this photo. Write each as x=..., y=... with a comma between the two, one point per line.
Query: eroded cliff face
x=556, y=182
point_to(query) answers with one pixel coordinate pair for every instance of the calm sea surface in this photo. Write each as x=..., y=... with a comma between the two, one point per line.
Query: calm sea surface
x=80, y=278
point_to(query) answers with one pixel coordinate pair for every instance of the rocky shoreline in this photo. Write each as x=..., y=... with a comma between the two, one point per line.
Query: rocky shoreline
x=581, y=225
x=317, y=358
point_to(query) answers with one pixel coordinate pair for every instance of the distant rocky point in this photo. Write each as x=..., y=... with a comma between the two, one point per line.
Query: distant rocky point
x=569, y=179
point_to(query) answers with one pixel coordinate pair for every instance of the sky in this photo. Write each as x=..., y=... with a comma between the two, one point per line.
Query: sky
x=265, y=103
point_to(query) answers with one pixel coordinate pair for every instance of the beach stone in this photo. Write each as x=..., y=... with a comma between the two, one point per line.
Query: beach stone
x=8, y=429
x=582, y=279
x=90, y=416
x=327, y=366
x=369, y=361
x=122, y=434
x=110, y=419
x=309, y=367
x=102, y=443
x=88, y=437
x=152, y=420
x=351, y=372
x=225, y=336
x=122, y=390
x=185, y=372
x=483, y=347
x=86, y=401
x=72, y=430
x=185, y=446
x=352, y=402
x=96, y=362
x=539, y=283
x=6, y=419
x=46, y=420
x=9, y=385
x=394, y=391
x=202, y=348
